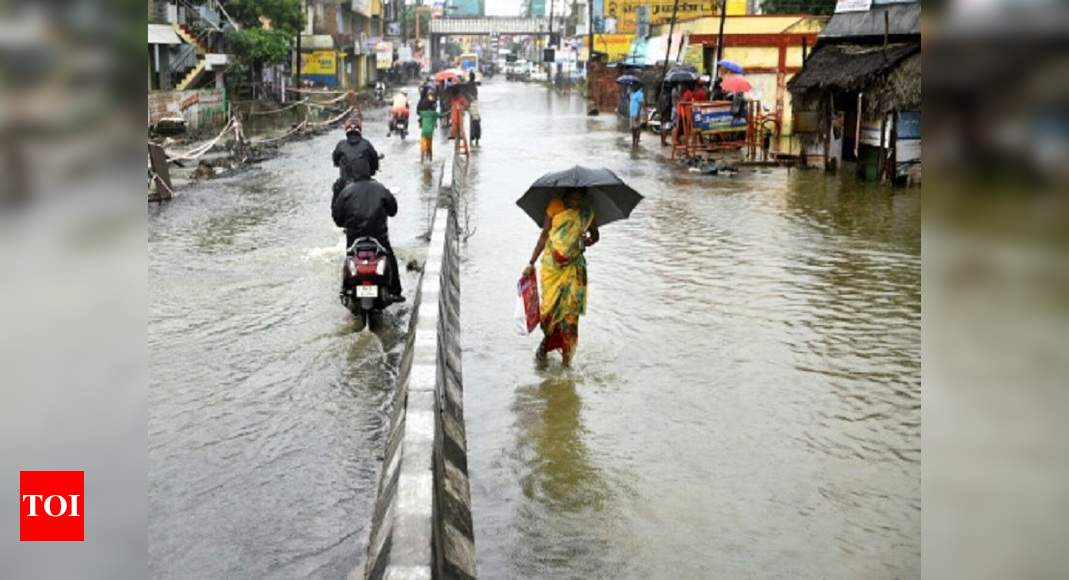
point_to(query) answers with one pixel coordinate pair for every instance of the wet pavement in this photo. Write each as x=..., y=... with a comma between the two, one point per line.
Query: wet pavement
x=267, y=410
x=745, y=400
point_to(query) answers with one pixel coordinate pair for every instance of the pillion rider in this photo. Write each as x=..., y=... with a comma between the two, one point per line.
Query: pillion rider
x=352, y=148
x=363, y=208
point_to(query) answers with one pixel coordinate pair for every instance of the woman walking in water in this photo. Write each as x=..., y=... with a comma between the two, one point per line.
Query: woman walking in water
x=568, y=229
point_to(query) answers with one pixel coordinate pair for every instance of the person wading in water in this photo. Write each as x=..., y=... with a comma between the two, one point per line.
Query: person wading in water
x=570, y=227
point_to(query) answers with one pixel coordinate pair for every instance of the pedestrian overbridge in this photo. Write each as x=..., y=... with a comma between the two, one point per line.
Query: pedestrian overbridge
x=488, y=25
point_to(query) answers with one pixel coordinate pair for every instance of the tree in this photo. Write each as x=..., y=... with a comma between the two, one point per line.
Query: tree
x=267, y=27
x=283, y=15
x=798, y=6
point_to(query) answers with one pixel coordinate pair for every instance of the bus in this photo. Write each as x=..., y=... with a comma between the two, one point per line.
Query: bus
x=470, y=62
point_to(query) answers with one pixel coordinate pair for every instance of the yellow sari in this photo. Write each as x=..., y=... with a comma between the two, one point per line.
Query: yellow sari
x=564, y=277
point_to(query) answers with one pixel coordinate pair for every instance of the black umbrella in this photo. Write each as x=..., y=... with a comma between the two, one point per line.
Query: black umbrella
x=609, y=197
x=680, y=76
x=628, y=79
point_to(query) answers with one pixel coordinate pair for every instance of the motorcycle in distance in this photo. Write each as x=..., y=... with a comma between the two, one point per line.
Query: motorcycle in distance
x=380, y=92
x=399, y=122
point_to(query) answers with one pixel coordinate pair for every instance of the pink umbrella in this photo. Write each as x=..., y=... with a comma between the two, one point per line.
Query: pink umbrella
x=735, y=84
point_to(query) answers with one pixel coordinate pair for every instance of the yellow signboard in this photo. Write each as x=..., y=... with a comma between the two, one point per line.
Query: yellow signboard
x=626, y=11
x=615, y=46
x=319, y=62
x=736, y=8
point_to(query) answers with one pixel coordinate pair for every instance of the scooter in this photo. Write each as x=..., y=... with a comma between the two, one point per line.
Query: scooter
x=380, y=92
x=399, y=123
x=366, y=276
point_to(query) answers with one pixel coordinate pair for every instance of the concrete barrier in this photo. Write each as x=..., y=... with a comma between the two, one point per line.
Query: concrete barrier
x=421, y=526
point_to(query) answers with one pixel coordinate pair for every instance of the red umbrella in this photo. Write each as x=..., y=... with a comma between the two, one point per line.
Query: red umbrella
x=446, y=74
x=735, y=84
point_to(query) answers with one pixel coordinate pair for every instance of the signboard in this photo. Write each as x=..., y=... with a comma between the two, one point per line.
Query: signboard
x=538, y=8
x=737, y=8
x=393, y=28
x=320, y=66
x=710, y=118
x=319, y=62
x=465, y=8
x=615, y=46
x=625, y=12
x=383, y=55
x=361, y=7
x=852, y=6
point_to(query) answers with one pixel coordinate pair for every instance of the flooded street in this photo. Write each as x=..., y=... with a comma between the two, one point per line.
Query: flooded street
x=745, y=401
x=267, y=410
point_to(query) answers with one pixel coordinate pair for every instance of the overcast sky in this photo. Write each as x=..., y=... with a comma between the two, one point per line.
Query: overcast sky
x=502, y=7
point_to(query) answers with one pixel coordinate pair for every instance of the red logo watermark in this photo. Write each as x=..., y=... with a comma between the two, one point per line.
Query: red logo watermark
x=51, y=506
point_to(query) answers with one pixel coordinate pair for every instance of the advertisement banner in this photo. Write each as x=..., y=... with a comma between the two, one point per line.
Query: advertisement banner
x=711, y=119
x=383, y=55
x=319, y=62
x=616, y=46
x=625, y=12
x=853, y=6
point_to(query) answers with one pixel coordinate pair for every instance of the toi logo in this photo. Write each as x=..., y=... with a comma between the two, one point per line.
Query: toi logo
x=51, y=506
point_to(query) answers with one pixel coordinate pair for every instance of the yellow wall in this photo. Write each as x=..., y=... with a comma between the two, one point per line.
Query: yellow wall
x=747, y=25
x=794, y=56
x=753, y=56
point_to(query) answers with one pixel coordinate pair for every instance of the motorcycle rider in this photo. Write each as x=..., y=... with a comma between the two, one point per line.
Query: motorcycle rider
x=398, y=111
x=363, y=208
x=351, y=149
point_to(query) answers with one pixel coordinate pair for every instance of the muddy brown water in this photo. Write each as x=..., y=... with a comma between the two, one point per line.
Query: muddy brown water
x=745, y=401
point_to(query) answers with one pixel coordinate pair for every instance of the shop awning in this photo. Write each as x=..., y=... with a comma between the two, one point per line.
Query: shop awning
x=162, y=34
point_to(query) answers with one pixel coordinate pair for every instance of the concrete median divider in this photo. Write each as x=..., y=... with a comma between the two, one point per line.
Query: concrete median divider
x=421, y=526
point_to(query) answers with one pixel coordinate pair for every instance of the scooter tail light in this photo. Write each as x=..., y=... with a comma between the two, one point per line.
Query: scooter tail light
x=380, y=268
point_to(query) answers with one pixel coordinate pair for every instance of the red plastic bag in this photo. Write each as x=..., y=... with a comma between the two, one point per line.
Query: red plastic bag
x=527, y=306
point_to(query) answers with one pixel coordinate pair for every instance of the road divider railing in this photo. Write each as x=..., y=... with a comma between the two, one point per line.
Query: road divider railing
x=421, y=526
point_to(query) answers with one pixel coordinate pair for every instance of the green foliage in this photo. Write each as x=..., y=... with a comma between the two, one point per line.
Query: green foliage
x=258, y=46
x=285, y=15
x=798, y=6
x=408, y=23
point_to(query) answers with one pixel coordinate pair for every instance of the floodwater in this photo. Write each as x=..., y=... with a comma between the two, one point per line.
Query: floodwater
x=745, y=401
x=267, y=411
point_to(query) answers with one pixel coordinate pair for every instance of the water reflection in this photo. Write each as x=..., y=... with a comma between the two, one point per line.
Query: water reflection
x=561, y=476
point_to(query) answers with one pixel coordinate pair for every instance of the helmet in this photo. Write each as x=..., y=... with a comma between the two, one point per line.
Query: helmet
x=353, y=125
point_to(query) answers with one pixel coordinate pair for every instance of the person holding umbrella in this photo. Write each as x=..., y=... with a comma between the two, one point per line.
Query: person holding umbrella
x=636, y=111
x=569, y=206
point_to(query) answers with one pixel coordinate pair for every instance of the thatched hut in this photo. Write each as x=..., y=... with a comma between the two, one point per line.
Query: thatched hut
x=858, y=96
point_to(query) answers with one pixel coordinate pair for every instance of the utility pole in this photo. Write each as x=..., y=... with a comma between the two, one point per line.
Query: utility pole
x=720, y=41
x=590, y=45
x=667, y=53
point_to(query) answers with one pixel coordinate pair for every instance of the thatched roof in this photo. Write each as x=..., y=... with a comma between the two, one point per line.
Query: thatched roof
x=849, y=67
x=899, y=90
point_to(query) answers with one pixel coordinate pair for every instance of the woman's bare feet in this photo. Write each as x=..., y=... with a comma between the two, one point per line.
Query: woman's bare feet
x=541, y=356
